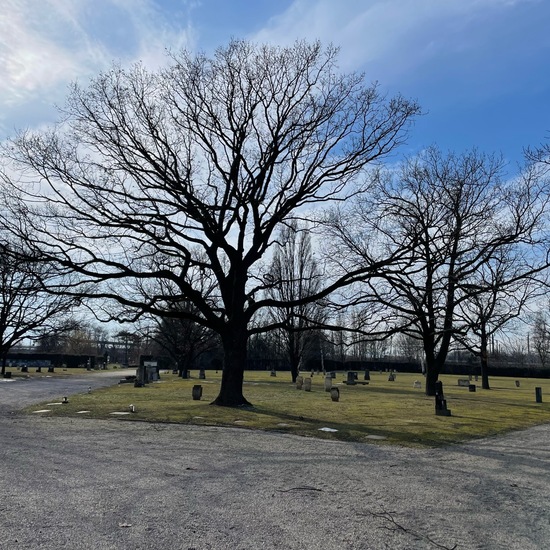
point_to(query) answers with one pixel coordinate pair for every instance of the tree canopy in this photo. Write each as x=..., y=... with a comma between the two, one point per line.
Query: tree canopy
x=183, y=176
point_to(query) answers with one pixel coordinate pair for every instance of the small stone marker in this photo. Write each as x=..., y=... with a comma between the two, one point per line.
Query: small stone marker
x=51, y=369
x=202, y=374
x=517, y=383
x=335, y=394
x=352, y=378
x=367, y=375
x=299, y=382
x=391, y=377
x=472, y=387
x=307, y=384
x=197, y=392
x=476, y=378
x=328, y=383
x=463, y=382
x=538, y=395
x=273, y=373
x=417, y=385
x=440, y=401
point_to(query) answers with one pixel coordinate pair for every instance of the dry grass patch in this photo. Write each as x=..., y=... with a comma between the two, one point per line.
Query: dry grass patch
x=383, y=411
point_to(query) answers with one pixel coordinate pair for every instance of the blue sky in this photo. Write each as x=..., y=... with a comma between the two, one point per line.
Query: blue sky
x=479, y=68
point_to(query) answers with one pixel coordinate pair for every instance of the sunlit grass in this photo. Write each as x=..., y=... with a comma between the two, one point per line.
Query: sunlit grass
x=383, y=411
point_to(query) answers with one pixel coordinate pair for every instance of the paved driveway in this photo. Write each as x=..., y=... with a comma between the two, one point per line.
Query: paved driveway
x=16, y=393
x=84, y=484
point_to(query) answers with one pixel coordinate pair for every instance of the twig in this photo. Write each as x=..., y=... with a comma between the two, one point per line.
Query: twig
x=398, y=527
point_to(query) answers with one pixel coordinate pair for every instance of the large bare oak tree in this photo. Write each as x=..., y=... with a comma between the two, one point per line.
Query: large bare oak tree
x=455, y=216
x=187, y=173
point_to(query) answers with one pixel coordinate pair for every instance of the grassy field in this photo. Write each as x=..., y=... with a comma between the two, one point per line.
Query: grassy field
x=383, y=412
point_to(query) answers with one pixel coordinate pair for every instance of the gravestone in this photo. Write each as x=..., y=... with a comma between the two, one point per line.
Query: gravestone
x=367, y=375
x=417, y=385
x=440, y=401
x=335, y=394
x=299, y=382
x=472, y=387
x=538, y=395
x=476, y=378
x=273, y=373
x=328, y=383
x=391, y=377
x=463, y=382
x=332, y=374
x=202, y=374
x=197, y=392
x=24, y=368
x=352, y=378
x=307, y=384
x=51, y=369
x=517, y=383
x=38, y=369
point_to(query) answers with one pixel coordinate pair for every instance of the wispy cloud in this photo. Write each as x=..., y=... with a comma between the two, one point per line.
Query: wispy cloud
x=48, y=44
x=373, y=32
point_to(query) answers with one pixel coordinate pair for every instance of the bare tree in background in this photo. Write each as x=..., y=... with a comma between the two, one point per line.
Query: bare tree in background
x=295, y=276
x=192, y=170
x=29, y=303
x=540, y=333
x=454, y=214
x=498, y=292
x=183, y=340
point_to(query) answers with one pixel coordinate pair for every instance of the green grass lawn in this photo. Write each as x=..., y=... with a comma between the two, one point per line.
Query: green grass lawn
x=383, y=412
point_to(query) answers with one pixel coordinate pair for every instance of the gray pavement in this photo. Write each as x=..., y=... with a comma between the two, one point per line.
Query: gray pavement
x=79, y=483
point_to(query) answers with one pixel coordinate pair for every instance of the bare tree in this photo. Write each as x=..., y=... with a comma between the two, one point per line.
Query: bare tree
x=294, y=276
x=541, y=337
x=455, y=215
x=27, y=305
x=193, y=169
x=182, y=339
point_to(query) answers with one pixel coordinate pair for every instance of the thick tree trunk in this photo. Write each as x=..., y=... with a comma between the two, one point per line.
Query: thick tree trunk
x=432, y=374
x=231, y=390
x=484, y=362
x=4, y=360
x=434, y=366
x=294, y=363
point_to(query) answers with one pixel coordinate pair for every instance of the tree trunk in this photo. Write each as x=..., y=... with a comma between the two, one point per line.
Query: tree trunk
x=293, y=355
x=434, y=366
x=294, y=363
x=235, y=350
x=484, y=365
x=432, y=374
x=4, y=360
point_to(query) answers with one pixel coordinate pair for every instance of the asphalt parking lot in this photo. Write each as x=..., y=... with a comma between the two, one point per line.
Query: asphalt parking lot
x=80, y=483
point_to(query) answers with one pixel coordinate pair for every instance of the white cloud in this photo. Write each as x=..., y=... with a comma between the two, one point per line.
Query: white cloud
x=373, y=32
x=46, y=45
